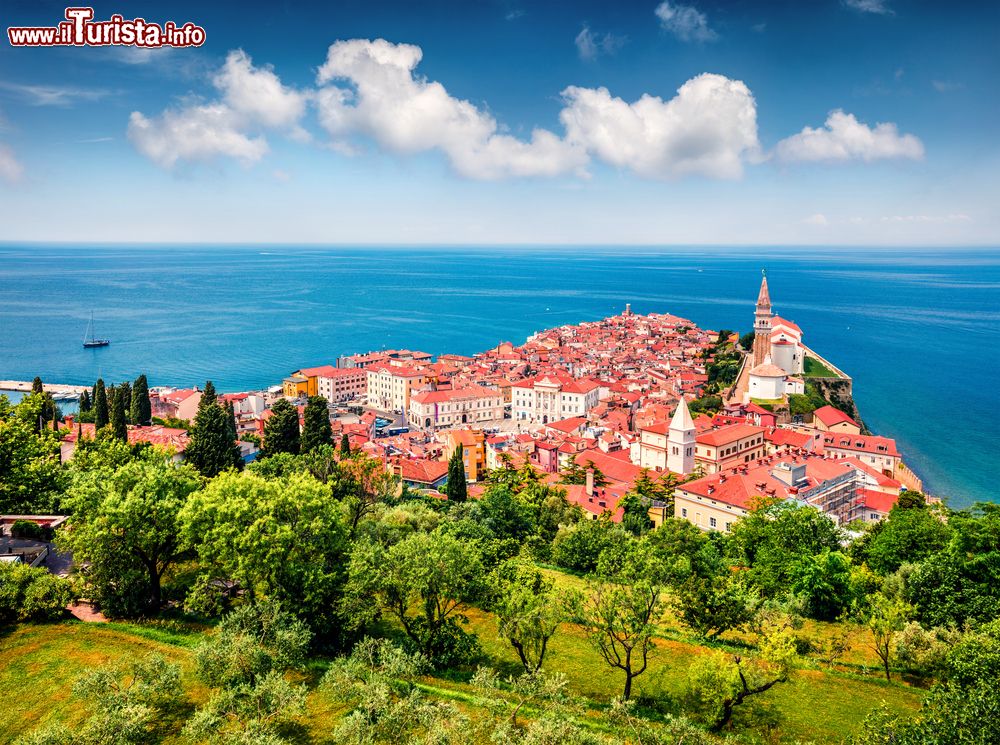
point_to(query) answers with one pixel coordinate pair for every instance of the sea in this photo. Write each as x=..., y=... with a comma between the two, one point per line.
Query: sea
x=917, y=329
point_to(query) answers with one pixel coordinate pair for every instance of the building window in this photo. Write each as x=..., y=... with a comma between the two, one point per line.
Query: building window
x=712, y=522
x=684, y=512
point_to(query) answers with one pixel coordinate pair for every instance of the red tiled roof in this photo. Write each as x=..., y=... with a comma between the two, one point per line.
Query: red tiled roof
x=831, y=416
x=727, y=435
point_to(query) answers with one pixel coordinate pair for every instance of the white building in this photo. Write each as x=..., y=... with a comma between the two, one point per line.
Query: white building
x=549, y=398
x=669, y=447
x=770, y=382
x=390, y=387
x=453, y=408
x=342, y=384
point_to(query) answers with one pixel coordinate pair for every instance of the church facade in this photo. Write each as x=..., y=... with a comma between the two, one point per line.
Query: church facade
x=777, y=341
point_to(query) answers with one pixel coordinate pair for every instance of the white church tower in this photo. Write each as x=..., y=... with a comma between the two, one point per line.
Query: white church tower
x=680, y=441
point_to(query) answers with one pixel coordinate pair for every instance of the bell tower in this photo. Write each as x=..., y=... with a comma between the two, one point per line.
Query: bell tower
x=762, y=323
x=681, y=441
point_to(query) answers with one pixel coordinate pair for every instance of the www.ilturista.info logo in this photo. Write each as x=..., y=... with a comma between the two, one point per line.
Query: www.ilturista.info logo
x=81, y=30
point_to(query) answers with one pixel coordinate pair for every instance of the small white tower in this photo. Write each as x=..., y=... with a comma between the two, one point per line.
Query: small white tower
x=680, y=441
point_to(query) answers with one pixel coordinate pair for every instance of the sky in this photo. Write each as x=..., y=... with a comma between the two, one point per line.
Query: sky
x=827, y=122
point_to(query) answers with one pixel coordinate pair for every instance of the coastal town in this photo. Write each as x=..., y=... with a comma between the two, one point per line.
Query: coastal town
x=720, y=419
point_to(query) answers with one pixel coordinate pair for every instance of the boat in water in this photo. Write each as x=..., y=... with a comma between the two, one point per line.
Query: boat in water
x=89, y=340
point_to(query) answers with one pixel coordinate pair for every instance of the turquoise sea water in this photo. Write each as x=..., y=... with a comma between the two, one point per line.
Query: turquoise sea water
x=918, y=330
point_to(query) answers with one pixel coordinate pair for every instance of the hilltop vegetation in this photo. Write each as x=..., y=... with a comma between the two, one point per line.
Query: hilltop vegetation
x=310, y=598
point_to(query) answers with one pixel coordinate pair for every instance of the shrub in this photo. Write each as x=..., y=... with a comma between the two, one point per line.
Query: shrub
x=30, y=530
x=31, y=594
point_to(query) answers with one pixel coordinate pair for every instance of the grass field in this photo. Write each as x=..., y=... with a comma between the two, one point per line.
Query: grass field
x=38, y=665
x=813, y=368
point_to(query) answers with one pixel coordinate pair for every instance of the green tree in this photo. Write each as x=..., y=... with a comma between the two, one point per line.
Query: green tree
x=85, y=403
x=345, y=446
x=32, y=594
x=212, y=449
x=621, y=609
x=528, y=610
x=425, y=582
x=456, y=488
x=576, y=473
x=124, y=529
x=505, y=514
x=823, y=581
x=129, y=704
x=885, y=618
x=378, y=682
x=283, y=539
x=37, y=386
x=281, y=430
x=963, y=709
x=771, y=539
x=245, y=664
x=363, y=486
x=718, y=683
x=140, y=411
x=31, y=479
x=746, y=340
x=119, y=430
x=911, y=532
x=231, y=421
x=101, y=413
x=579, y=546
x=705, y=593
x=960, y=583
x=316, y=428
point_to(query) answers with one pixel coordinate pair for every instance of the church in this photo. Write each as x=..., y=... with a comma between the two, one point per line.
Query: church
x=778, y=355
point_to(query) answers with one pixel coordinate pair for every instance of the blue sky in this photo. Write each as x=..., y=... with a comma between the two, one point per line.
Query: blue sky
x=856, y=122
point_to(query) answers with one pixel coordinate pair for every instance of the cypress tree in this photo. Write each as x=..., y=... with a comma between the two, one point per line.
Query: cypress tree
x=100, y=405
x=316, y=429
x=85, y=402
x=141, y=412
x=345, y=446
x=36, y=385
x=457, y=488
x=118, y=428
x=231, y=421
x=212, y=450
x=208, y=396
x=281, y=431
x=125, y=389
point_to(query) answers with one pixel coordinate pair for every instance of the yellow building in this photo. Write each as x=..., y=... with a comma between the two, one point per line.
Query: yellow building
x=295, y=386
x=473, y=450
x=305, y=382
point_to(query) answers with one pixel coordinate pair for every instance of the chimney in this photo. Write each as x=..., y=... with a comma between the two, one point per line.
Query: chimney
x=69, y=420
x=590, y=482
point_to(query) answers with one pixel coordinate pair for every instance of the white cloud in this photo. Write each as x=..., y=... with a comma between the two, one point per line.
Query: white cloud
x=194, y=133
x=590, y=46
x=257, y=93
x=843, y=137
x=819, y=220
x=946, y=86
x=878, y=7
x=10, y=169
x=709, y=128
x=54, y=95
x=685, y=22
x=252, y=99
x=408, y=114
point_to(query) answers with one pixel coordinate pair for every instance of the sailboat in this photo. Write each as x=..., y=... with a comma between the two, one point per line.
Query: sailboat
x=89, y=341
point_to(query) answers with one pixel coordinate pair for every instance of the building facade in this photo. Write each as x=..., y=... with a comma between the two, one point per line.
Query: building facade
x=549, y=398
x=454, y=408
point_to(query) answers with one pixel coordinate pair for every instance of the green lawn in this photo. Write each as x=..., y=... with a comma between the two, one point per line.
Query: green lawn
x=38, y=665
x=813, y=368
